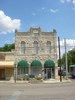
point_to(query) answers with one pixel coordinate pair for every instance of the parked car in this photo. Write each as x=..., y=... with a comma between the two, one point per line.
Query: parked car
x=72, y=70
x=73, y=74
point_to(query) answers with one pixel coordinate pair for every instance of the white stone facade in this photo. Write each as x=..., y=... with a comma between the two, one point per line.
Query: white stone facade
x=36, y=34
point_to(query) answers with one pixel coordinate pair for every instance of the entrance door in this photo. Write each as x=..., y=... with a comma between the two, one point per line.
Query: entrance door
x=49, y=73
x=2, y=74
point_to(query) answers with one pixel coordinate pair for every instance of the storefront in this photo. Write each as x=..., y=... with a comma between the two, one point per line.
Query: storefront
x=22, y=69
x=36, y=68
x=49, y=68
x=6, y=70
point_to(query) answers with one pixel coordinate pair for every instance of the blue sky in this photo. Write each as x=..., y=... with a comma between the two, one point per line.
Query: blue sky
x=48, y=14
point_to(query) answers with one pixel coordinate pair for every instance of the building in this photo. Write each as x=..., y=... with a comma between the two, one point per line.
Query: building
x=35, y=55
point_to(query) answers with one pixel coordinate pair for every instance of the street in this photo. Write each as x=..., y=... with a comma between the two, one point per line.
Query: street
x=55, y=91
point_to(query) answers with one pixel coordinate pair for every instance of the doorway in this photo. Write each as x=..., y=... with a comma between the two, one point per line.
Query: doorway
x=47, y=73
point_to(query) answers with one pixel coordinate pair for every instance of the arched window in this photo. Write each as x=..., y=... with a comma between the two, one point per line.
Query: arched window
x=48, y=47
x=35, y=47
x=22, y=47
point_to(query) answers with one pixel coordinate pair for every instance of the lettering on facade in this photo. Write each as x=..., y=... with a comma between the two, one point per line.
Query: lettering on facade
x=35, y=31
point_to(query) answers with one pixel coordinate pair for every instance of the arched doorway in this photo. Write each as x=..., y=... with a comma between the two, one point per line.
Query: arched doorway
x=36, y=68
x=22, y=69
x=49, y=69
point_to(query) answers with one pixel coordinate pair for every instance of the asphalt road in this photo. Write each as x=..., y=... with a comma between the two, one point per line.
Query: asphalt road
x=55, y=91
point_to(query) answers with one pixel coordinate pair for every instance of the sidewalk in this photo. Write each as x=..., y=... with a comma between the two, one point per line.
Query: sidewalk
x=12, y=81
x=43, y=81
x=56, y=81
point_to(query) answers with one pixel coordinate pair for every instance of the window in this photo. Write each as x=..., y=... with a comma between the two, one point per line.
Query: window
x=36, y=47
x=22, y=70
x=22, y=47
x=48, y=46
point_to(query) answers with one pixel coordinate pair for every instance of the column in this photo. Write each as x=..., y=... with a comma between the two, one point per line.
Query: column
x=43, y=76
x=56, y=72
x=51, y=72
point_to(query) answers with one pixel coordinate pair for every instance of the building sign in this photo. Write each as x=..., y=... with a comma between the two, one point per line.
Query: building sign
x=2, y=57
x=35, y=31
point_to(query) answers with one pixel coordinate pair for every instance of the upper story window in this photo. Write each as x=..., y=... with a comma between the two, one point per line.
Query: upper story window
x=48, y=47
x=22, y=47
x=35, y=47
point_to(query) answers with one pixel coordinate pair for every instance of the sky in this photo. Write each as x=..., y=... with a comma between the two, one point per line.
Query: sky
x=47, y=14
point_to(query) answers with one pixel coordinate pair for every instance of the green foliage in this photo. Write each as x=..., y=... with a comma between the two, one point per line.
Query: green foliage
x=26, y=77
x=70, y=58
x=7, y=47
x=38, y=77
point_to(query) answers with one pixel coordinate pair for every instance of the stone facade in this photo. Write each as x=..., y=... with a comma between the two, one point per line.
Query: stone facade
x=36, y=34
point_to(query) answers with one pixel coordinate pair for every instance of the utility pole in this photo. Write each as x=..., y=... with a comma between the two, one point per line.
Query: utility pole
x=59, y=59
x=66, y=59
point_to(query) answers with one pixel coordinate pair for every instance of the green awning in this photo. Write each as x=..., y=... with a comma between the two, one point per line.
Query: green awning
x=49, y=63
x=36, y=63
x=72, y=66
x=23, y=63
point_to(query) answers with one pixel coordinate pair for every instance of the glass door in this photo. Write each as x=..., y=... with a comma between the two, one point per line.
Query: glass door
x=49, y=73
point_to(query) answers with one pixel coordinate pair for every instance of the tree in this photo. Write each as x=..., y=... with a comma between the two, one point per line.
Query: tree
x=70, y=58
x=12, y=46
x=7, y=47
x=71, y=55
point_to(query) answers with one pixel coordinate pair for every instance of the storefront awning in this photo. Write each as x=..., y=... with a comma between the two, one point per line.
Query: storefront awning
x=23, y=63
x=49, y=63
x=36, y=63
x=7, y=64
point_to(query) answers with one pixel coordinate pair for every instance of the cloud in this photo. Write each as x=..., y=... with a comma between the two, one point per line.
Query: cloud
x=34, y=14
x=53, y=10
x=68, y=1
x=70, y=44
x=62, y=1
x=73, y=1
x=43, y=8
x=7, y=25
x=7, y=42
